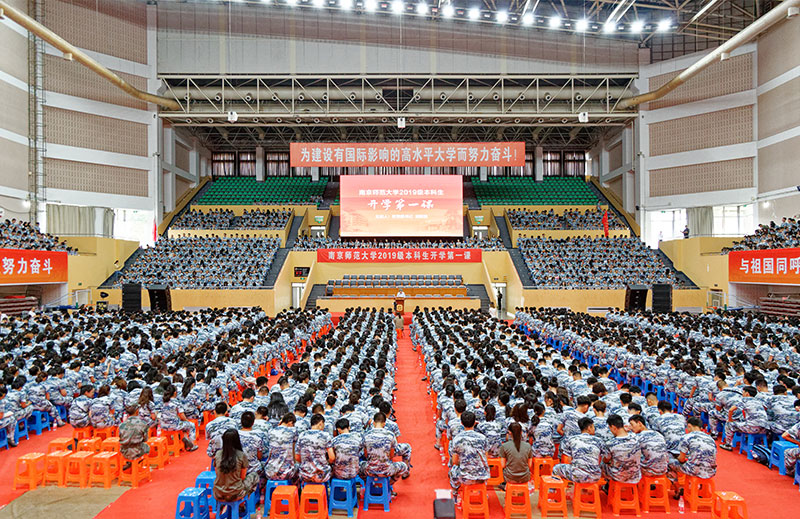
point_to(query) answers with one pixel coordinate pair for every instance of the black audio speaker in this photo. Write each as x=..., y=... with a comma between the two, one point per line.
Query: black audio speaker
x=662, y=298
x=132, y=297
x=635, y=298
x=160, y=298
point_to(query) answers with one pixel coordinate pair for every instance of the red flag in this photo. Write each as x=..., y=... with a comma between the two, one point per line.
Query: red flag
x=155, y=231
x=605, y=222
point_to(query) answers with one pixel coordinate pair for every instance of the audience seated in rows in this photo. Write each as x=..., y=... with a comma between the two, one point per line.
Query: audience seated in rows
x=203, y=262
x=594, y=263
x=226, y=219
x=16, y=234
x=312, y=243
x=784, y=235
x=213, y=219
x=570, y=219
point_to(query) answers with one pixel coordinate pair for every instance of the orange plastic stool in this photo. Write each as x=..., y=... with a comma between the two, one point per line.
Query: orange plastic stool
x=197, y=428
x=90, y=444
x=518, y=500
x=541, y=467
x=80, y=433
x=623, y=496
x=135, y=474
x=552, y=496
x=313, y=502
x=78, y=468
x=699, y=492
x=106, y=432
x=654, y=491
x=104, y=469
x=110, y=444
x=159, y=453
x=55, y=466
x=174, y=442
x=60, y=444
x=587, y=499
x=284, y=504
x=474, y=501
x=28, y=470
x=495, y=472
x=728, y=505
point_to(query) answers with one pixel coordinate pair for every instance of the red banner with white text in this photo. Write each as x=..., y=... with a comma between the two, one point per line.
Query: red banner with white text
x=767, y=267
x=406, y=154
x=21, y=267
x=399, y=255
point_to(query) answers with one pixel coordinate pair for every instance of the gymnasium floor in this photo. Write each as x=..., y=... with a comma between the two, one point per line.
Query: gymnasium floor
x=768, y=495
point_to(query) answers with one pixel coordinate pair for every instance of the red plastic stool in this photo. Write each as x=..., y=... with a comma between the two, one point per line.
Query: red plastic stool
x=314, y=502
x=495, y=472
x=78, y=468
x=587, y=499
x=552, y=496
x=541, y=467
x=104, y=469
x=654, y=491
x=174, y=442
x=623, y=496
x=30, y=470
x=159, y=453
x=55, y=466
x=284, y=504
x=60, y=444
x=728, y=505
x=474, y=501
x=135, y=474
x=699, y=492
x=518, y=500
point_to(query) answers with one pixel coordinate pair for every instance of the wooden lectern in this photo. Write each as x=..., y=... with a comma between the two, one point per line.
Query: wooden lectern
x=400, y=305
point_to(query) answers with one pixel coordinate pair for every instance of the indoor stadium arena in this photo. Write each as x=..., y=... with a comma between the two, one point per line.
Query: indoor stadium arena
x=474, y=259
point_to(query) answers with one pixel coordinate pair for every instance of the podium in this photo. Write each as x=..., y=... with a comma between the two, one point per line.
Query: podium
x=400, y=305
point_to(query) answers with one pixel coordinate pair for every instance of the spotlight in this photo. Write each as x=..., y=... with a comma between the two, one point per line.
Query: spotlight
x=370, y=5
x=345, y=4
x=609, y=27
x=474, y=13
x=397, y=7
x=664, y=25
x=527, y=19
x=319, y=3
x=555, y=22
x=422, y=8
x=637, y=26
x=502, y=17
x=291, y=2
x=448, y=11
x=581, y=25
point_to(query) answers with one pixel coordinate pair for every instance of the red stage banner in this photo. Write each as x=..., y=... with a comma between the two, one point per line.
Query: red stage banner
x=398, y=255
x=20, y=267
x=768, y=267
x=406, y=154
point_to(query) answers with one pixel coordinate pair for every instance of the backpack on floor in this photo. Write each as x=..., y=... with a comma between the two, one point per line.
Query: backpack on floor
x=761, y=454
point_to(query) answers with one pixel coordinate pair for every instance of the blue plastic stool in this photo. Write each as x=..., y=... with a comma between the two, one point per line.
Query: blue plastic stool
x=796, y=476
x=224, y=510
x=206, y=480
x=272, y=484
x=378, y=491
x=749, y=440
x=62, y=412
x=343, y=495
x=661, y=392
x=776, y=456
x=4, y=439
x=195, y=504
x=21, y=431
x=39, y=421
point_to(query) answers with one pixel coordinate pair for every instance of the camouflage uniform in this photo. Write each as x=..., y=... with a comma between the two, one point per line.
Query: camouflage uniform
x=672, y=427
x=280, y=464
x=570, y=419
x=214, y=430
x=348, y=448
x=790, y=456
x=495, y=435
x=626, y=456
x=585, y=450
x=655, y=457
x=169, y=420
x=754, y=422
x=8, y=421
x=727, y=398
x=251, y=446
x=100, y=413
x=79, y=412
x=472, y=467
x=701, y=457
x=37, y=394
x=133, y=438
x=379, y=444
x=312, y=447
x=17, y=397
x=543, y=445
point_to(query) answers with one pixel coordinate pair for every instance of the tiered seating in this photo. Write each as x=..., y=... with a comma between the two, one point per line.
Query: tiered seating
x=788, y=305
x=22, y=235
x=571, y=219
x=367, y=285
x=526, y=191
x=273, y=190
x=782, y=235
x=17, y=305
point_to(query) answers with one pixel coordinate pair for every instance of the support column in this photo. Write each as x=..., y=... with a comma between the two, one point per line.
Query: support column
x=194, y=166
x=483, y=173
x=315, y=174
x=538, y=164
x=260, y=171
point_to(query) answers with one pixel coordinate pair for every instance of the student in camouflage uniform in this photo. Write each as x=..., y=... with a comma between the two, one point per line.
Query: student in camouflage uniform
x=280, y=464
x=252, y=444
x=581, y=454
x=727, y=397
x=621, y=454
x=7, y=419
x=79, y=410
x=19, y=401
x=790, y=456
x=672, y=426
x=314, y=452
x=754, y=420
x=570, y=417
x=100, y=414
x=379, y=449
x=347, y=448
x=697, y=453
x=133, y=436
x=39, y=395
x=468, y=455
x=216, y=427
x=247, y=404
x=171, y=418
x=655, y=459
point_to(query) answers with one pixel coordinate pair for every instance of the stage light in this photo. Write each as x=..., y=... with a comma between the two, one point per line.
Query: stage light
x=609, y=27
x=502, y=17
x=319, y=3
x=554, y=22
x=637, y=26
x=581, y=25
x=422, y=8
x=346, y=4
x=448, y=11
x=370, y=5
x=664, y=25
x=397, y=7
x=527, y=19
x=291, y=3
x=474, y=13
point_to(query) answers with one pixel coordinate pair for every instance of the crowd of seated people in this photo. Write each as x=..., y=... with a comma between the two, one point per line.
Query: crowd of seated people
x=330, y=416
x=784, y=235
x=106, y=367
x=16, y=234
x=594, y=263
x=308, y=243
x=571, y=219
x=203, y=262
x=226, y=219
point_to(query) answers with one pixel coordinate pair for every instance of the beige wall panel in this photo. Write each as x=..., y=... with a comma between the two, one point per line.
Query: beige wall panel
x=66, y=77
x=616, y=186
x=14, y=56
x=14, y=164
x=182, y=156
x=778, y=165
x=114, y=27
x=722, y=78
x=700, y=178
x=777, y=208
x=779, y=109
x=98, y=178
x=698, y=132
x=615, y=157
x=84, y=130
x=182, y=186
x=778, y=51
x=13, y=109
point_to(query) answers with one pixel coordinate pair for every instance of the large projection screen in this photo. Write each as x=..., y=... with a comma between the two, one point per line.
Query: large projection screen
x=401, y=206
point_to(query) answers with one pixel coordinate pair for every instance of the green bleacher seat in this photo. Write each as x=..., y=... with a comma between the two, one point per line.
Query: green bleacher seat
x=273, y=190
x=526, y=191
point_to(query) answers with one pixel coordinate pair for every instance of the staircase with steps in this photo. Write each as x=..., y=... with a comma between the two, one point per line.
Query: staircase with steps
x=333, y=230
x=480, y=292
x=330, y=195
x=317, y=291
x=469, y=194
